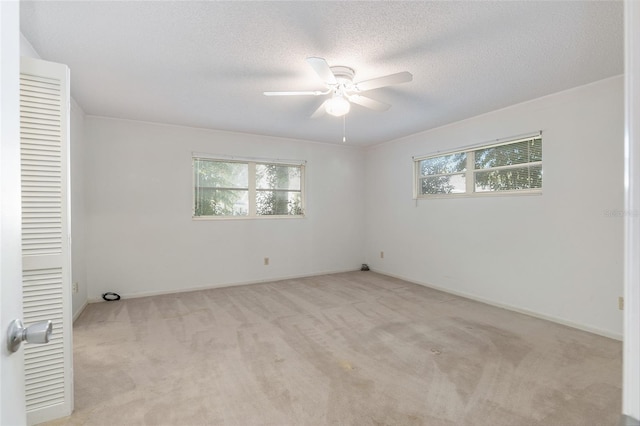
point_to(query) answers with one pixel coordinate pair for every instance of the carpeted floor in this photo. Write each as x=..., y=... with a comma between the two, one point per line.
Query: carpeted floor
x=356, y=348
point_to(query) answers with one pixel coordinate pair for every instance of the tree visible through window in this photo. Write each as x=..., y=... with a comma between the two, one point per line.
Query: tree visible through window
x=509, y=167
x=278, y=189
x=221, y=188
x=236, y=189
x=444, y=174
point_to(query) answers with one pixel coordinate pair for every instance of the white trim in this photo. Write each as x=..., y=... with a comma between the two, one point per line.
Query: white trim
x=557, y=320
x=253, y=208
x=80, y=311
x=222, y=285
x=631, y=347
x=239, y=159
x=470, y=178
x=12, y=395
x=487, y=144
x=516, y=192
x=256, y=217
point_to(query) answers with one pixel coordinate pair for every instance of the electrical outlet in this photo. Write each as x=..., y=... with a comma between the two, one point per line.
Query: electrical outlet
x=381, y=255
x=266, y=261
x=74, y=287
x=621, y=303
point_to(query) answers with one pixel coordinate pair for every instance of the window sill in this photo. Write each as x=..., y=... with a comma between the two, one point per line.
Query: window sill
x=272, y=217
x=480, y=195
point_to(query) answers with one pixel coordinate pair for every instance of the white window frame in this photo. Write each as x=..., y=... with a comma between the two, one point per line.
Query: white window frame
x=252, y=190
x=470, y=171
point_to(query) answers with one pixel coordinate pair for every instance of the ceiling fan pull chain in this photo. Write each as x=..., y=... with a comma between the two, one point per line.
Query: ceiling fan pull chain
x=344, y=128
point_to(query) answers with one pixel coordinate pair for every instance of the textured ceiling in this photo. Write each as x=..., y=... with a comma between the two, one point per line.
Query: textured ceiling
x=206, y=64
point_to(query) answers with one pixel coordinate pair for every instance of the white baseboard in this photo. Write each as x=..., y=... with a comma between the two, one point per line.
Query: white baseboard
x=219, y=285
x=80, y=311
x=513, y=308
x=594, y=330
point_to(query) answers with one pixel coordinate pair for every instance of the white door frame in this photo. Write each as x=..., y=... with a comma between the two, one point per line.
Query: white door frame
x=631, y=345
x=12, y=399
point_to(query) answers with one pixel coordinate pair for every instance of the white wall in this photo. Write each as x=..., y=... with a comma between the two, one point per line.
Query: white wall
x=557, y=255
x=78, y=247
x=26, y=49
x=141, y=238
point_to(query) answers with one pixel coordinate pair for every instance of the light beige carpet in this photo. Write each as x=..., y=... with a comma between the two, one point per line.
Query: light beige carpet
x=346, y=349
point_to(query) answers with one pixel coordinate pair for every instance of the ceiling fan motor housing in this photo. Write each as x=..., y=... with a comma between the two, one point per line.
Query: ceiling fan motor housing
x=344, y=77
x=343, y=74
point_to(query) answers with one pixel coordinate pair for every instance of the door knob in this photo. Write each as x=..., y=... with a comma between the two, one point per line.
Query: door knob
x=39, y=332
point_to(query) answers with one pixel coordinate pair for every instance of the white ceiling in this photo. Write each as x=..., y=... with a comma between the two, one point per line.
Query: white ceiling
x=206, y=64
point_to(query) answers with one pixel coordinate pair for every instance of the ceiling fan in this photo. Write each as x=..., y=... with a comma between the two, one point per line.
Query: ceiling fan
x=339, y=82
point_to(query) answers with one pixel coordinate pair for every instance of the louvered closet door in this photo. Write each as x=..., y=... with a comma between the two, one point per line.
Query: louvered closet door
x=44, y=143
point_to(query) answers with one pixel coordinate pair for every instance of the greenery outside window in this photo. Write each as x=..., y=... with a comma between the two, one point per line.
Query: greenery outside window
x=444, y=174
x=509, y=167
x=278, y=189
x=235, y=189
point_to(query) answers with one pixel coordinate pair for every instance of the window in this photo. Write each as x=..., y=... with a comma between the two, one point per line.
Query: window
x=444, y=174
x=278, y=189
x=510, y=167
x=231, y=188
x=221, y=188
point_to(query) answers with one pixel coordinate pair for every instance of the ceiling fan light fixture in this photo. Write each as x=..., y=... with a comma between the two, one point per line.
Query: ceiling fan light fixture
x=338, y=106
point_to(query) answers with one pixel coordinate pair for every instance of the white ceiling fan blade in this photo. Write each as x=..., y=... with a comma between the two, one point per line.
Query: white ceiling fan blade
x=369, y=103
x=387, y=80
x=321, y=110
x=321, y=67
x=297, y=93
